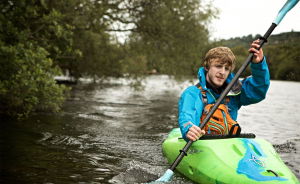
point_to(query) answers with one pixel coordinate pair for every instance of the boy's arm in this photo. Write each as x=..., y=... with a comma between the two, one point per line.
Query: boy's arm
x=255, y=87
x=187, y=112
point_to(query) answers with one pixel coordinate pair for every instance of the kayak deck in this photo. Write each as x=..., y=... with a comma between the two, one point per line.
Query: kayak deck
x=232, y=161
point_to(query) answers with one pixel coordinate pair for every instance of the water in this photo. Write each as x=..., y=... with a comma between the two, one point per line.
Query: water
x=113, y=134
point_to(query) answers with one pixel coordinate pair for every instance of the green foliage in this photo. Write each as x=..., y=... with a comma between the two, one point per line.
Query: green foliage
x=27, y=83
x=284, y=61
x=169, y=36
x=172, y=35
x=99, y=57
x=136, y=66
x=31, y=37
x=284, y=56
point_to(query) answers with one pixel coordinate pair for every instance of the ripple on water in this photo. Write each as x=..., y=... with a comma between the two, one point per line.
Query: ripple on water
x=136, y=172
x=289, y=152
x=141, y=172
x=80, y=142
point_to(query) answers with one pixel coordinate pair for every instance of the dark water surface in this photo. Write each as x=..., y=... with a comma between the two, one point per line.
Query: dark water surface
x=113, y=134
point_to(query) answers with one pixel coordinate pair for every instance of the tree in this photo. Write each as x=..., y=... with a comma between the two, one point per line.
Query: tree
x=31, y=37
x=284, y=61
x=171, y=34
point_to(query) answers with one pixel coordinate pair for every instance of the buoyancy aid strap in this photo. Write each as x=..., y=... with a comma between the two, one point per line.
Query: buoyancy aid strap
x=203, y=92
x=238, y=130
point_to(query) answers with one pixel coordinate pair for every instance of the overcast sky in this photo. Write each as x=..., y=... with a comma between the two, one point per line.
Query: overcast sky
x=241, y=18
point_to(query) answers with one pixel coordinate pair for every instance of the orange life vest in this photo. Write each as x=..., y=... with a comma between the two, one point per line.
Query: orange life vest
x=220, y=122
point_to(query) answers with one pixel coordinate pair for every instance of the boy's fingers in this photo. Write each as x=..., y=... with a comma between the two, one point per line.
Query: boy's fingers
x=255, y=45
x=192, y=136
x=203, y=132
x=198, y=129
x=195, y=133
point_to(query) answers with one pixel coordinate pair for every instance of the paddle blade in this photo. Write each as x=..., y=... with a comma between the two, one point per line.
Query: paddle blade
x=287, y=7
x=166, y=177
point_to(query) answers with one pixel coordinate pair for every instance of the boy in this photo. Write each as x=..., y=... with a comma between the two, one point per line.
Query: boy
x=213, y=77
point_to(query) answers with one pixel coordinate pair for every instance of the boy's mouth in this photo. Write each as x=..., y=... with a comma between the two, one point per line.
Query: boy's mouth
x=220, y=78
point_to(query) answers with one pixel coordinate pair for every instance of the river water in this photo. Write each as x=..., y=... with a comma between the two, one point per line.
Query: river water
x=112, y=133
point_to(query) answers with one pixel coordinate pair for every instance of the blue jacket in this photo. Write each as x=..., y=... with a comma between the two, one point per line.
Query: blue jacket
x=248, y=91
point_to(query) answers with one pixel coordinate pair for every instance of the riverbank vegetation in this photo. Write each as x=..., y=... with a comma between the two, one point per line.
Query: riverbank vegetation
x=41, y=39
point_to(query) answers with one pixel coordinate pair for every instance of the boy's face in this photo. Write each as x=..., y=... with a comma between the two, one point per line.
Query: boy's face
x=217, y=73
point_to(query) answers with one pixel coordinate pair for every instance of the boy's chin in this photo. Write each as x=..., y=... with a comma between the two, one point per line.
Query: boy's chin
x=218, y=84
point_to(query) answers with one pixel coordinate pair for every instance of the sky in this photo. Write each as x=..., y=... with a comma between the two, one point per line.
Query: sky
x=240, y=18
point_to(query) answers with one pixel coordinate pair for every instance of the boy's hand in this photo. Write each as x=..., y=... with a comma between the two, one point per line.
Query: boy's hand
x=194, y=133
x=258, y=54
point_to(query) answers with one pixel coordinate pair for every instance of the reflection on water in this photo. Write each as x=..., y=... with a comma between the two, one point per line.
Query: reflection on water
x=113, y=133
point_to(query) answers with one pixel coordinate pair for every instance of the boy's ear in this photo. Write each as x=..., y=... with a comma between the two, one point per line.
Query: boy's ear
x=206, y=68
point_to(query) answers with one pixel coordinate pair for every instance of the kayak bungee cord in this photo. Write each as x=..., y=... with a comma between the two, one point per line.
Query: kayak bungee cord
x=283, y=11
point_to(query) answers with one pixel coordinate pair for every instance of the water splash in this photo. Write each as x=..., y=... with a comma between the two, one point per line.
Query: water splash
x=137, y=172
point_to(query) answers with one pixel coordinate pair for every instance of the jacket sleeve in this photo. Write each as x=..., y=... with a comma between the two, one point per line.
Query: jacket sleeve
x=255, y=87
x=188, y=110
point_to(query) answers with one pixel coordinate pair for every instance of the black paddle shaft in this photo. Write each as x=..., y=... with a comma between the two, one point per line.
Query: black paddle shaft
x=263, y=39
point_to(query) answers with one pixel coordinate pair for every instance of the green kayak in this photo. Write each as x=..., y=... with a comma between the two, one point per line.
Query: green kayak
x=229, y=161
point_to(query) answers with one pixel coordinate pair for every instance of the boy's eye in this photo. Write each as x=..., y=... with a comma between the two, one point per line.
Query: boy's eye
x=227, y=68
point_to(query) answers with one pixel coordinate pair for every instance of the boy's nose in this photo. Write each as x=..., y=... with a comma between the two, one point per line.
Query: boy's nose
x=222, y=70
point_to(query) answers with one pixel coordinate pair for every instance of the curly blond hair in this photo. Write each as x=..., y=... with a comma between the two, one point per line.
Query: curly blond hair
x=223, y=54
